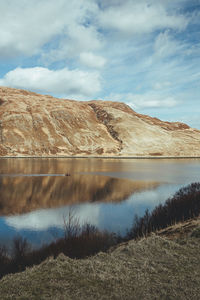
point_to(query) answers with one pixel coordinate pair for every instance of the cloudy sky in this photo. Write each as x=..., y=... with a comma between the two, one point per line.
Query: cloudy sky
x=145, y=53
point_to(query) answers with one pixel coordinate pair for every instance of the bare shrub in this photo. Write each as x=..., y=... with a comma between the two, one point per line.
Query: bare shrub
x=71, y=226
x=184, y=205
x=20, y=249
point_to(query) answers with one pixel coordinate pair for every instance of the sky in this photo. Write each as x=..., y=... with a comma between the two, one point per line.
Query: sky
x=145, y=53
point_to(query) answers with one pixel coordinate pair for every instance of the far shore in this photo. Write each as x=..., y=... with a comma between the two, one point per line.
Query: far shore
x=105, y=157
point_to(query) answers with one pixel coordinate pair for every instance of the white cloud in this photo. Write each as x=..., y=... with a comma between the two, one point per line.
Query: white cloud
x=67, y=28
x=78, y=39
x=26, y=26
x=141, y=101
x=136, y=17
x=63, y=82
x=165, y=45
x=92, y=61
x=147, y=101
x=161, y=85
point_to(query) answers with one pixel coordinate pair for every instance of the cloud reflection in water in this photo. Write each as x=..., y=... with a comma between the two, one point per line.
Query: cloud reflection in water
x=111, y=216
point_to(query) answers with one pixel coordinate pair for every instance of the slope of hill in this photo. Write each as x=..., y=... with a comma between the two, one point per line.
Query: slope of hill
x=152, y=268
x=38, y=125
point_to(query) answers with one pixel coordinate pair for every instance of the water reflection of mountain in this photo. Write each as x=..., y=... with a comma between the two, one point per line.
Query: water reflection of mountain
x=23, y=194
x=60, y=165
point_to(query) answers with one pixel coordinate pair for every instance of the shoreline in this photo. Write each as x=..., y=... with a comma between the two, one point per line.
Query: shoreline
x=103, y=157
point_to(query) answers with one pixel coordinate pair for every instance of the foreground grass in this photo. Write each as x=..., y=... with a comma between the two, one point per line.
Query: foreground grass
x=151, y=268
x=165, y=265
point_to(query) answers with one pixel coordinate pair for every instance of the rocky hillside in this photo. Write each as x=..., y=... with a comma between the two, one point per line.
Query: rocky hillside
x=38, y=125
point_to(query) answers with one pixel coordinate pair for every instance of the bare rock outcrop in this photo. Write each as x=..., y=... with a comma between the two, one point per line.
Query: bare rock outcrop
x=39, y=125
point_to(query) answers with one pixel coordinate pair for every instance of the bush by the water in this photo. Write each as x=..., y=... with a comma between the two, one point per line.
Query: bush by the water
x=82, y=241
x=184, y=205
x=78, y=242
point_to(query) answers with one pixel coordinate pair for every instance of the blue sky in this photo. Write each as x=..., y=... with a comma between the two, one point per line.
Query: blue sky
x=144, y=53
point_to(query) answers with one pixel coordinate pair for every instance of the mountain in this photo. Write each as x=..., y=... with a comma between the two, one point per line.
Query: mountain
x=40, y=125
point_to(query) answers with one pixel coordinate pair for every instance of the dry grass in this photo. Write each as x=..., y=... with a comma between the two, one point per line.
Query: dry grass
x=151, y=268
x=181, y=230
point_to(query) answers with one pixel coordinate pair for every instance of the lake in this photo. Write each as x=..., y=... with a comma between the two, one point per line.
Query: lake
x=36, y=196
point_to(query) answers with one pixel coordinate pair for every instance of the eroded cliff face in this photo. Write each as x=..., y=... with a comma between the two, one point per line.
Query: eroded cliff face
x=38, y=125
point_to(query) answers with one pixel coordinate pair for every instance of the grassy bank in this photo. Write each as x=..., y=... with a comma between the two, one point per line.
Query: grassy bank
x=83, y=241
x=150, y=268
x=78, y=242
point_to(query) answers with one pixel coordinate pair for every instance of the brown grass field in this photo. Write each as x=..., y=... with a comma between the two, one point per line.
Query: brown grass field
x=165, y=265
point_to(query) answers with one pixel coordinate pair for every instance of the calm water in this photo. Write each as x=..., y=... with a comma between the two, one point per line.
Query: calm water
x=35, y=194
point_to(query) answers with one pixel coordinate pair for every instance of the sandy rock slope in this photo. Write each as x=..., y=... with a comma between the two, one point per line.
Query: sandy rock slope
x=39, y=125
